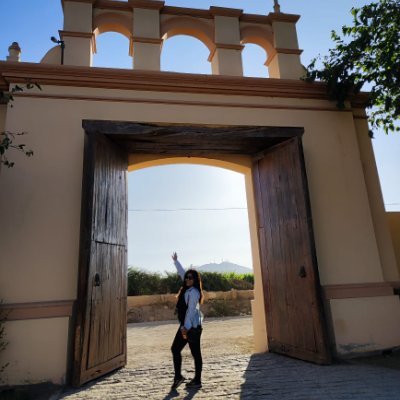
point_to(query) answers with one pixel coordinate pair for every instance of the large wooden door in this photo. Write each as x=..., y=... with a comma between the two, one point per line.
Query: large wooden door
x=100, y=328
x=295, y=322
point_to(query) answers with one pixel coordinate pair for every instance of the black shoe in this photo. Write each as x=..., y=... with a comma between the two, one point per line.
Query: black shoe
x=193, y=384
x=177, y=382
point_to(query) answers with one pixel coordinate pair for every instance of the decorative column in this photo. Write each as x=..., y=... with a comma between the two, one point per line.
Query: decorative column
x=14, y=52
x=77, y=33
x=227, y=56
x=146, y=41
x=285, y=63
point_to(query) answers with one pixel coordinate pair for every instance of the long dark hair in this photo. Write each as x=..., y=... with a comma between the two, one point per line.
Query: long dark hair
x=197, y=283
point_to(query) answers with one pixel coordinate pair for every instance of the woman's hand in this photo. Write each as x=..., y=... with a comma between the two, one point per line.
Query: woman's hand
x=184, y=332
x=174, y=256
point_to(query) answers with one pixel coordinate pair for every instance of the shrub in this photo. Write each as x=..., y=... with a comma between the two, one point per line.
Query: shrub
x=141, y=283
x=147, y=283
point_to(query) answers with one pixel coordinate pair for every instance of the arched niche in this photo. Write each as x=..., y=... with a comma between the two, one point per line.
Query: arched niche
x=185, y=54
x=110, y=22
x=113, y=22
x=260, y=36
x=188, y=26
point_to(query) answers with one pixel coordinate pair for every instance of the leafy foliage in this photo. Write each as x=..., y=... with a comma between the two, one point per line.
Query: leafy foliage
x=368, y=53
x=147, y=283
x=8, y=139
x=3, y=341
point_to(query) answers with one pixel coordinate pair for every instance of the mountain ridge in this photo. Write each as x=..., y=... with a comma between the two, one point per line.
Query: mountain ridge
x=224, y=266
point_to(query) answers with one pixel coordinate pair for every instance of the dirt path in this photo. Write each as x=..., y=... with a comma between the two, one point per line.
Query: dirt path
x=221, y=337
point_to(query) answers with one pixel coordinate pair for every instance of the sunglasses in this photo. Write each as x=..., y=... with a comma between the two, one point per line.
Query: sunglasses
x=189, y=277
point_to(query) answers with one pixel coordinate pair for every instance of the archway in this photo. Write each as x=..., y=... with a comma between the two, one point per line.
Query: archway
x=292, y=305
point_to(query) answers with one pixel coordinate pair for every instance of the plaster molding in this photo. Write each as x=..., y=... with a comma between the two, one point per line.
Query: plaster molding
x=190, y=103
x=288, y=51
x=38, y=310
x=226, y=46
x=280, y=17
x=256, y=19
x=112, y=5
x=86, y=35
x=190, y=12
x=152, y=5
x=229, y=46
x=357, y=290
x=112, y=78
x=225, y=12
x=139, y=39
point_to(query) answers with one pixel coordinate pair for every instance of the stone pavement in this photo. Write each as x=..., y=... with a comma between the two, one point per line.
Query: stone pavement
x=266, y=376
x=232, y=372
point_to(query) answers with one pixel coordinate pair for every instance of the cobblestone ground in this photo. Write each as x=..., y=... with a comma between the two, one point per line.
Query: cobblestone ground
x=231, y=371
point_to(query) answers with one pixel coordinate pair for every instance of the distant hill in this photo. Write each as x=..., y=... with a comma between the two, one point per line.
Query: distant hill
x=225, y=266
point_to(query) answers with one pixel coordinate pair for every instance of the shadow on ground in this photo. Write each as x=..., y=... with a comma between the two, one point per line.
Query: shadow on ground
x=271, y=376
x=30, y=392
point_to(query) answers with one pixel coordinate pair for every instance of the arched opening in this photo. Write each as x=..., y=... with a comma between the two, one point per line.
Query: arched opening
x=258, y=50
x=200, y=211
x=184, y=53
x=253, y=58
x=120, y=57
x=205, y=201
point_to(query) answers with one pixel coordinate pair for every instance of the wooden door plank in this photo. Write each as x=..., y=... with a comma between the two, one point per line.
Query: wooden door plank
x=100, y=330
x=295, y=321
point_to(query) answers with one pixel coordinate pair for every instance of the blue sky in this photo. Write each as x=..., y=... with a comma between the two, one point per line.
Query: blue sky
x=216, y=227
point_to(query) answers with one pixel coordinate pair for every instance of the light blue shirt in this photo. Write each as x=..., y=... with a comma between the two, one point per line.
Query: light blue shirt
x=193, y=316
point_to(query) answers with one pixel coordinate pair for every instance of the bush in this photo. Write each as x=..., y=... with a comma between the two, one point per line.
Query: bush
x=141, y=283
x=147, y=283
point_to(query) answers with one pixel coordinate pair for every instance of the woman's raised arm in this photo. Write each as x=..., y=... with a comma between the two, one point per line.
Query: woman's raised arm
x=178, y=265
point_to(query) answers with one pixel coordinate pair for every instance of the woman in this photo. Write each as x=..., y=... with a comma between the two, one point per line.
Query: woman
x=190, y=297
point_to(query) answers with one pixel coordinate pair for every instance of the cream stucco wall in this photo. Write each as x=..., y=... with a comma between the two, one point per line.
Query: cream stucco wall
x=40, y=200
x=383, y=238
x=369, y=328
x=393, y=219
x=3, y=111
x=36, y=351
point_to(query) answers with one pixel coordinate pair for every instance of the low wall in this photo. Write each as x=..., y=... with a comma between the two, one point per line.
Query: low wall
x=161, y=307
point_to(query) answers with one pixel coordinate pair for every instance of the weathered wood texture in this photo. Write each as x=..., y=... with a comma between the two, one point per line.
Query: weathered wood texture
x=295, y=322
x=100, y=334
x=191, y=140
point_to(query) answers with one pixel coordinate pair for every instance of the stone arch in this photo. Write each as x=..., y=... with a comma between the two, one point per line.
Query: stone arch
x=112, y=22
x=261, y=37
x=188, y=26
x=240, y=164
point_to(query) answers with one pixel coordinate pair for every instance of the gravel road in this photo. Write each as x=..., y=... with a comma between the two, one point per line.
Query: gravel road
x=150, y=342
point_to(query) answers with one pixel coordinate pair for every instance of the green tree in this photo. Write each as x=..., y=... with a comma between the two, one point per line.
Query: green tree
x=368, y=55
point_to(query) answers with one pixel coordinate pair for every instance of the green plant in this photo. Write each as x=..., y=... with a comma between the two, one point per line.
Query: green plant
x=8, y=139
x=145, y=283
x=368, y=53
x=3, y=341
x=219, y=308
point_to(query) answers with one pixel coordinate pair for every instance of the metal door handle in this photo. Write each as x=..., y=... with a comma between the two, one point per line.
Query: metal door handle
x=97, y=279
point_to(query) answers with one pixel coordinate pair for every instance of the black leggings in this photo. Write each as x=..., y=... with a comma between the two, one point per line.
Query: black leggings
x=179, y=343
